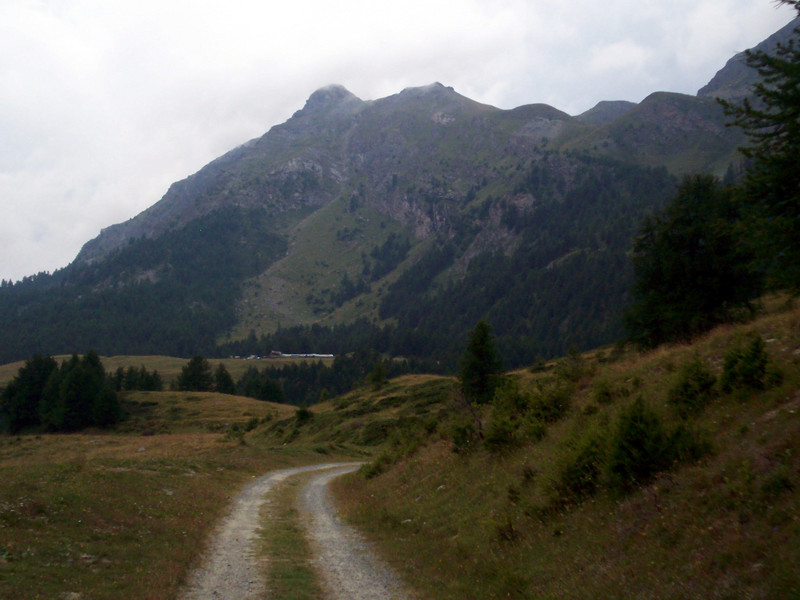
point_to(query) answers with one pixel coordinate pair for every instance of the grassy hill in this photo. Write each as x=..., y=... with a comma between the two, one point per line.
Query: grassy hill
x=538, y=508
x=542, y=517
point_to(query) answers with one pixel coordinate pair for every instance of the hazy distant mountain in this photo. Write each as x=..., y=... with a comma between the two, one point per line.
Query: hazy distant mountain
x=605, y=111
x=404, y=219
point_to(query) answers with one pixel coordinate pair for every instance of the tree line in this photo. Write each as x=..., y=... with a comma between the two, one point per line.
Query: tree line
x=75, y=395
x=79, y=394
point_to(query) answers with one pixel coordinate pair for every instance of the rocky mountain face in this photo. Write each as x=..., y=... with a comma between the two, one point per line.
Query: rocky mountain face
x=389, y=213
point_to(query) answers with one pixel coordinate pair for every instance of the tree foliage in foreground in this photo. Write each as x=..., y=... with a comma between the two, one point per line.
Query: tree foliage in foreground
x=771, y=121
x=691, y=268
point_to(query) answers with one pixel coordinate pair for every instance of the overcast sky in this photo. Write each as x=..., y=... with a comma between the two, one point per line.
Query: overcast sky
x=104, y=104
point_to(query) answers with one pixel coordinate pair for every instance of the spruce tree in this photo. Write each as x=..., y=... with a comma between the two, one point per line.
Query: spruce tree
x=480, y=365
x=19, y=403
x=223, y=382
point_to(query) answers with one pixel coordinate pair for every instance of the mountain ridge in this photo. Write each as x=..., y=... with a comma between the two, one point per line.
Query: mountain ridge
x=385, y=215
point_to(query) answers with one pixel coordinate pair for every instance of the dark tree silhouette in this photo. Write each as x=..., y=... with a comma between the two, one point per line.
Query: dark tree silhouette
x=480, y=365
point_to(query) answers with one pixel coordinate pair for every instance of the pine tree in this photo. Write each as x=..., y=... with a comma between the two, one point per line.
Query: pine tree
x=691, y=271
x=480, y=365
x=223, y=382
x=19, y=403
x=196, y=376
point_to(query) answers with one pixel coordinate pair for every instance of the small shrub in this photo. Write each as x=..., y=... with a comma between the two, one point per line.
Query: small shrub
x=532, y=429
x=508, y=408
x=688, y=445
x=377, y=466
x=550, y=405
x=693, y=389
x=580, y=475
x=464, y=436
x=500, y=432
x=374, y=433
x=777, y=482
x=571, y=368
x=603, y=392
x=745, y=368
x=639, y=448
x=302, y=415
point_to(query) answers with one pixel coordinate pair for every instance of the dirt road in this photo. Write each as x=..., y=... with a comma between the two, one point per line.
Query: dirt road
x=233, y=570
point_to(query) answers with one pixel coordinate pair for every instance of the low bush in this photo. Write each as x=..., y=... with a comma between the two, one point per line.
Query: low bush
x=464, y=436
x=603, y=392
x=501, y=432
x=509, y=407
x=532, y=429
x=745, y=368
x=552, y=404
x=639, y=448
x=580, y=475
x=693, y=389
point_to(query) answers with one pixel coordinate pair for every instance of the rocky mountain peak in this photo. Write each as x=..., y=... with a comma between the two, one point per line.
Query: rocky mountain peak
x=330, y=99
x=329, y=95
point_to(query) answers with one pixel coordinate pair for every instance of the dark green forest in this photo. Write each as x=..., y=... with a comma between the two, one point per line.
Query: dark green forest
x=170, y=295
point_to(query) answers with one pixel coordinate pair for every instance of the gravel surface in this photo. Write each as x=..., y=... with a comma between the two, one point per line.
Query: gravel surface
x=232, y=569
x=349, y=569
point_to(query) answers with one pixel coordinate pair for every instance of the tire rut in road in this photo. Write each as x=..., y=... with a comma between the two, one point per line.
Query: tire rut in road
x=349, y=569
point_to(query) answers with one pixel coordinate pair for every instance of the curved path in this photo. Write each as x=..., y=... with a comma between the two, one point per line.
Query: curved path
x=232, y=569
x=350, y=571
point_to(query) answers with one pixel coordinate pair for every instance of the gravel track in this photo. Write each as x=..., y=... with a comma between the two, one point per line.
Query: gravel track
x=349, y=569
x=232, y=568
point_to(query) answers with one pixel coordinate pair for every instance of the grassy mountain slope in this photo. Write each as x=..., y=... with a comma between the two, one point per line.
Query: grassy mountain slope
x=522, y=521
x=686, y=134
x=734, y=80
